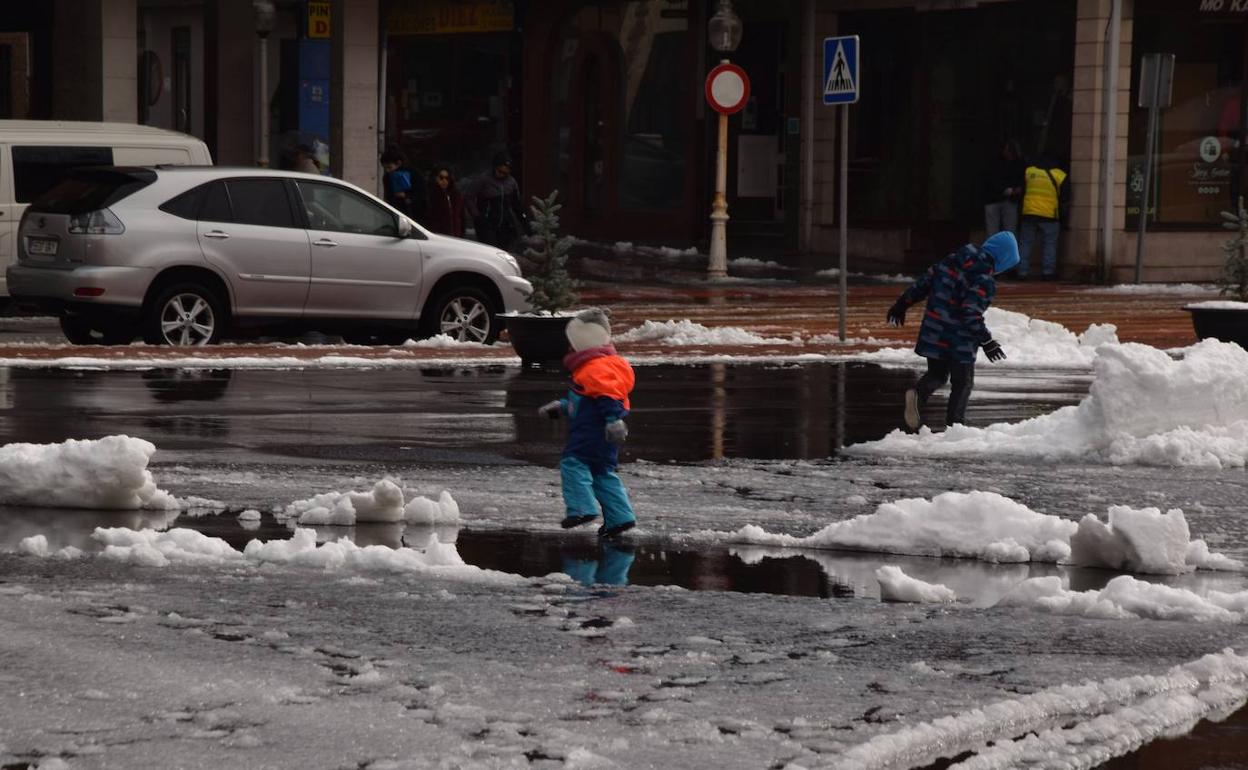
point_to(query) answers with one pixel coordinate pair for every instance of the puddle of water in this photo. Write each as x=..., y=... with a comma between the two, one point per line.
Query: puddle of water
x=488, y=415
x=630, y=561
x=1209, y=746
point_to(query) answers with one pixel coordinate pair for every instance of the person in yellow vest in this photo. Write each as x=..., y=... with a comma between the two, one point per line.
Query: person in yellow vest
x=1045, y=197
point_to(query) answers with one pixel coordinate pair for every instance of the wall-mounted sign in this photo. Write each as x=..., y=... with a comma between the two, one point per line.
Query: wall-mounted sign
x=1222, y=6
x=318, y=19
x=447, y=17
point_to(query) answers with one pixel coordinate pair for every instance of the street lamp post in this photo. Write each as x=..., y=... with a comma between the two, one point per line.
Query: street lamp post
x=265, y=19
x=724, y=35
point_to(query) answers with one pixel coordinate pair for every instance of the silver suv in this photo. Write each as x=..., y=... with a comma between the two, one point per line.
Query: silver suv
x=182, y=255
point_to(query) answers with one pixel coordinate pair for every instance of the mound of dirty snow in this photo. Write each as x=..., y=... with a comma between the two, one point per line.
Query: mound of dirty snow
x=108, y=473
x=992, y=528
x=1143, y=408
x=1126, y=597
x=897, y=586
x=687, y=332
x=1029, y=342
x=385, y=503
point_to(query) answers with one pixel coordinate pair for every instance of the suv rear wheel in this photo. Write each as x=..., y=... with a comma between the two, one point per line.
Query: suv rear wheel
x=465, y=314
x=184, y=314
x=79, y=332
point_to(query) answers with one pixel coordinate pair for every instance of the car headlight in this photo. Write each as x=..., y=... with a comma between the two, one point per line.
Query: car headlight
x=510, y=260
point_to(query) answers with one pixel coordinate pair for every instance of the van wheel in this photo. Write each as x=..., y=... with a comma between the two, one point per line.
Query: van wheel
x=79, y=332
x=464, y=314
x=184, y=314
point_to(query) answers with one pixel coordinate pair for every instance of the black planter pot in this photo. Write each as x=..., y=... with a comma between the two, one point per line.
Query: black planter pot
x=1226, y=324
x=538, y=340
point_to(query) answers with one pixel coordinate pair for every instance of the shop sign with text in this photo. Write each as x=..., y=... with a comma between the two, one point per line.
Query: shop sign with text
x=443, y=17
x=318, y=19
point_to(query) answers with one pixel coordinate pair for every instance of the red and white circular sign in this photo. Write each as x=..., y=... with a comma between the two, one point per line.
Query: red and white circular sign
x=727, y=89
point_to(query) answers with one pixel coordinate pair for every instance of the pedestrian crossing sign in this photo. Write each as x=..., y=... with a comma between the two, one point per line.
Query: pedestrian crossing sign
x=840, y=70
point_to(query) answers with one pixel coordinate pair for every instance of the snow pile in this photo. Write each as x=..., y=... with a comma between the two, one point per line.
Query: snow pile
x=37, y=545
x=687, y=332
x=1219, y=304
x=1068, y=725
x=385, y=503
x=154, y=548
x=443, y=341
x=1143, y=408
x=1126, y=597
x=835, y=272
x=974, y=525
x=992, y=528
x=422, y=510
x=108, y=473
x=897, y=586
x=1029, y=342
x=1153, y=288
x=752, y=263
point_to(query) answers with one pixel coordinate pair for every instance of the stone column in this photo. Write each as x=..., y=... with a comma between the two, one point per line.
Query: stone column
x=1081, y=258
x=353, y=92
x=95, y=47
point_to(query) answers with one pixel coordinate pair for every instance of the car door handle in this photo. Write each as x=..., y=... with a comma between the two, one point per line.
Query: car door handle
x=325, y=243
x=216, y=234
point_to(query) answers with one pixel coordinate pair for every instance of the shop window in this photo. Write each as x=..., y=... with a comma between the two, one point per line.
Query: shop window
x=1199, y=155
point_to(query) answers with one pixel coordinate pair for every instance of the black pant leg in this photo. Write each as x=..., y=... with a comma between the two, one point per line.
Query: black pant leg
x=963, y=375
x=935, y=377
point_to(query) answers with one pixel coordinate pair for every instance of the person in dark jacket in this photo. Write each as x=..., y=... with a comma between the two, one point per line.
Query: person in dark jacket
x=446, y=204
x=958, y=290
x=494, y=203
x=595, y=407
x=401, y=191
x=1003, y=187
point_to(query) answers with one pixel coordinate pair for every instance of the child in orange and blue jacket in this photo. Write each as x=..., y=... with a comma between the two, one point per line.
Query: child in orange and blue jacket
x=595, y=407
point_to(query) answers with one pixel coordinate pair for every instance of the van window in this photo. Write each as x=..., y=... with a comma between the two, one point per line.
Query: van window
x=86, y=191
x=38, y=169
x=151, y=156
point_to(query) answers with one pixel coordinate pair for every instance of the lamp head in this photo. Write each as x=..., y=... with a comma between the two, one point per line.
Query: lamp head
x=724, y=28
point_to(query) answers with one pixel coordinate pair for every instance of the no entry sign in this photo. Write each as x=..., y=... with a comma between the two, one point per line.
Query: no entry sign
x=727, y=89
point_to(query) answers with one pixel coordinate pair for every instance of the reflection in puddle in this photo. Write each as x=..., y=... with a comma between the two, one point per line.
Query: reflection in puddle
x=640, y=561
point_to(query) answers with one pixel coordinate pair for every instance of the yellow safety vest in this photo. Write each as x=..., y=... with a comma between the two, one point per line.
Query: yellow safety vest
x=1041, y=196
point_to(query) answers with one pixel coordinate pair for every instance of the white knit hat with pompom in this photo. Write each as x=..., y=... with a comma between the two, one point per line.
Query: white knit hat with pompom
x=589, y=329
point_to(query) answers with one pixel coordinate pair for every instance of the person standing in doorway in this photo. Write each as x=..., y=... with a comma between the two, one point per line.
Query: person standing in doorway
x=446, y=204
x=1002, y=188
x=401, y=191
x=1046, y=195
x=494, y=203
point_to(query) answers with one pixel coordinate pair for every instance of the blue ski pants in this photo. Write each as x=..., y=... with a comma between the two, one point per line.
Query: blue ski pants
x=585, y=490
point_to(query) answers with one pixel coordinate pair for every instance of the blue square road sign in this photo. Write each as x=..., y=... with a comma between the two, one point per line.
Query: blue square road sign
x=840, y=70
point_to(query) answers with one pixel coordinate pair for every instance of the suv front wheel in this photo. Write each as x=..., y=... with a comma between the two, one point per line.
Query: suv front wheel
x=464, y=314
x=184, y=314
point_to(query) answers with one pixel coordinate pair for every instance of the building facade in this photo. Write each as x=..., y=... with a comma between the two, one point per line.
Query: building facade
x=603, y=100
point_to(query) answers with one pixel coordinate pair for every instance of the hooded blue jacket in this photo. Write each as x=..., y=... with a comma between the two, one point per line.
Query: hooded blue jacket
x=958, y=289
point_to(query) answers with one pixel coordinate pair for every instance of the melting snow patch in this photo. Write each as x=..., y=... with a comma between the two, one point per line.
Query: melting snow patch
x=444, y=341
x=1143, y=408
x=993, y=528
x=37, y=545
x=1127, y=597
x=106, y=473
x=687, y=332
x=897, y=586
x=1073, y=726
x=1030, y=342
x=385, y=503
x=422, y=510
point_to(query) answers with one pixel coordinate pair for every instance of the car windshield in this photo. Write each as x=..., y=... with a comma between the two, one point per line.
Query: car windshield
x=86, y=191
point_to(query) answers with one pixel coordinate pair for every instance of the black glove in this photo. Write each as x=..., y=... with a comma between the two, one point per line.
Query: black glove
x=897, y=313
x=993, y=350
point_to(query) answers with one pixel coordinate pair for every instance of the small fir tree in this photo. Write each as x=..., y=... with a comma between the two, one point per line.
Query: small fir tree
x=1235, y=279
x=553, y=288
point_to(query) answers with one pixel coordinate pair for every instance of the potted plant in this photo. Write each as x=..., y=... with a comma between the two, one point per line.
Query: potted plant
x=538, y=335
x=1227, y=320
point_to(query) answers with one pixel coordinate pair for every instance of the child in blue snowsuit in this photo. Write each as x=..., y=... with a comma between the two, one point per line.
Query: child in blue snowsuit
x=595, y=407
x=958, y=289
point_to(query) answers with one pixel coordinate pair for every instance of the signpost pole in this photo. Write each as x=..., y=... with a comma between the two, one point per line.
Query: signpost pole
x=842, y=301
x=1156, y=84
x=718, y=267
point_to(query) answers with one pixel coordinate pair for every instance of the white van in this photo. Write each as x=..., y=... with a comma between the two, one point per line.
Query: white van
x=36, y=154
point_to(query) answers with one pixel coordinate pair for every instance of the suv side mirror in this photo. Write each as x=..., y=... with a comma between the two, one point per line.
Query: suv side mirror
x=405, y=227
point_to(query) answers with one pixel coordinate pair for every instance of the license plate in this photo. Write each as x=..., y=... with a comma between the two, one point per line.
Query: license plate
x=43, y=247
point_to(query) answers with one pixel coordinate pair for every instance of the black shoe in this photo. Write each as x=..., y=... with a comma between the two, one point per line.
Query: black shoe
x=576, y=521
x=617, y=530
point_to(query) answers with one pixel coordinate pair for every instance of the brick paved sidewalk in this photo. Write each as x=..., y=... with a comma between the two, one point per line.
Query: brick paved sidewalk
x=769, y=308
